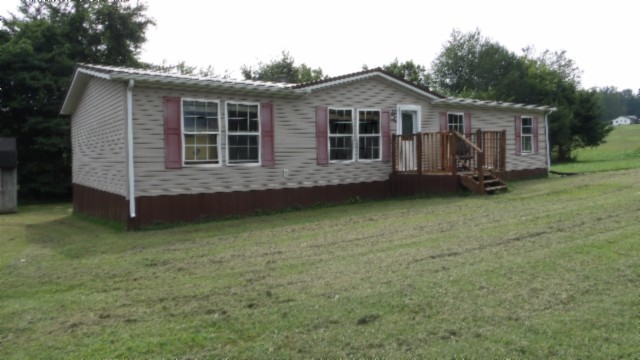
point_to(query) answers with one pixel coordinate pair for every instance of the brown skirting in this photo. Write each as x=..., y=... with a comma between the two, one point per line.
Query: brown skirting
x=193, y=207
x=98, y=203
x=414, y=184
x=523, y=174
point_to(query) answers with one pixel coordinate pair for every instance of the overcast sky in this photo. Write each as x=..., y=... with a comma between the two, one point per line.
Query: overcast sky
x=341, y=35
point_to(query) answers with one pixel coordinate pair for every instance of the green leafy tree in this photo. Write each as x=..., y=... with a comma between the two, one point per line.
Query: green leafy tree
x=39, y=49
x=409, y=71
x=471, y=65
x=282, y=70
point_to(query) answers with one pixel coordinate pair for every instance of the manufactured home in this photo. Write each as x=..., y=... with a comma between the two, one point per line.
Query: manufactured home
x=154, y=147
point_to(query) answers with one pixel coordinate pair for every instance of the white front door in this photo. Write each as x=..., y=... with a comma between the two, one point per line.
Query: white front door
x=408, y=125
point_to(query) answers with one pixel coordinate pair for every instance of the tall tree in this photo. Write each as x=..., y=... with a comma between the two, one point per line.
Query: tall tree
x=282, y=70
x=472, y=65
x=409, y=71
x=39, y=49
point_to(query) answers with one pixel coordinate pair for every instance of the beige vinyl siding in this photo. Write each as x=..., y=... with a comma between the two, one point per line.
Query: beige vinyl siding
x=295, y=141
x=98, y=137
x=492, y=120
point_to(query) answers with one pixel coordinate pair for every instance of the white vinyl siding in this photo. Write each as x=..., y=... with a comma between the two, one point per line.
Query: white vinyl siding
x=98, y=137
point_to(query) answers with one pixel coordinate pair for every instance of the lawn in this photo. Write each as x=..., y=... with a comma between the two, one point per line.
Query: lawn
x=550, y=269
x=620, y=152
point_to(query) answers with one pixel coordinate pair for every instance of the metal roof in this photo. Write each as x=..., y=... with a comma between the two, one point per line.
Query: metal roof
x=491, y=104
x=377, y=72
x=84, y=72
x=116, y=72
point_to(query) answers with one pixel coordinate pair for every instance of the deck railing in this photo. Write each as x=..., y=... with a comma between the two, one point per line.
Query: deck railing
x=449, y=152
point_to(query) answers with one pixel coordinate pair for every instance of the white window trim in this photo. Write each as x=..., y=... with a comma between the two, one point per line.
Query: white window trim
x=408, y=107
x=522, y=136
x=357, y=143
x=259, y=133
x=459, y=114
x=182, y=132
x=353, y=133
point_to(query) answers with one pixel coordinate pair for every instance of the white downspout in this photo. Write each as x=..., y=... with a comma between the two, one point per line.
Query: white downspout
x=132, y=187
x=546, y=131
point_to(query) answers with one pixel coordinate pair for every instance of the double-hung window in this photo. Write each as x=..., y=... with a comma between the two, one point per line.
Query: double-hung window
x=455, y=122
x=527, y=135
x=340, y=134
x=369, y=136
x=201, y=132
x=243, y=133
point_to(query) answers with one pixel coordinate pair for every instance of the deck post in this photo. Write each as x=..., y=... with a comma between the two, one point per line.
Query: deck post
x=443, y=150
x=452, y=154
x=480, y=144
x=418, y=143
x=394, y=161
x=503, y=151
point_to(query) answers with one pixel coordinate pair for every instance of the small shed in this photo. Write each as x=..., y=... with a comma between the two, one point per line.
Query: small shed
x=8, y=176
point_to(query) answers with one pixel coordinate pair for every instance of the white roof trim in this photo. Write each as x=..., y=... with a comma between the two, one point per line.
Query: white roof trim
x=491, y=104
x=93, y=73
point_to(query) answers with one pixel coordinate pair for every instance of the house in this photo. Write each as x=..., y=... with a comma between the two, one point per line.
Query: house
x=624, y=120
x=155, y=147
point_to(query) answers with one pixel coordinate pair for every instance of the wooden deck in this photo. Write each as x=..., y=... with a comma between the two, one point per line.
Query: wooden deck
x=475, y=159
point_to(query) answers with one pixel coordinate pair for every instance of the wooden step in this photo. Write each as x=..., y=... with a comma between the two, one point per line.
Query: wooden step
x=491, y=183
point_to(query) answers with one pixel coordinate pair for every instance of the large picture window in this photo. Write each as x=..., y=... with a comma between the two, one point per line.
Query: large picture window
x=243, y=133
x=527, y=135
x=340, y=134
x=369, y=135
x=455, y=122
x=201, y=132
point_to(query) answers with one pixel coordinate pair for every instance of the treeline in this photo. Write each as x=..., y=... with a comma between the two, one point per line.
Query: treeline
x=614, y=102
x=40, y=46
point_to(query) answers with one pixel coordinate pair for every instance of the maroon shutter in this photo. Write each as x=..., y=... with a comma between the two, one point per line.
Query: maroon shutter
x=518, y=129
x=443, y=121
x=535, y=134
x=322, y=144
x=267, y=134
x=386, y=135
x=467, y=125
x=172, y=133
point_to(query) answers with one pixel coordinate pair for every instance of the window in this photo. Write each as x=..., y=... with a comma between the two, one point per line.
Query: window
x=340, y=134
x=201, y=132
x=527, y=135
x=243, y=133
x=455, y=122
x=369, y=136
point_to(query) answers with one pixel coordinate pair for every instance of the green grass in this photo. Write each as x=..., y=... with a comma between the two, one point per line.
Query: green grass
x=620, y=152
x=550, y=269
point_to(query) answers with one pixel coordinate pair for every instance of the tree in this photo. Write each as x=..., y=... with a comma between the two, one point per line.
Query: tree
x=282, y=70
x=39, y=50
x=616, y=103
x=474, y=66
x=471, y=65
x=409, y=71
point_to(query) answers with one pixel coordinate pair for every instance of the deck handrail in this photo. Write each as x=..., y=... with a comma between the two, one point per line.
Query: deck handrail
x=438, y=152
x=479, y=156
